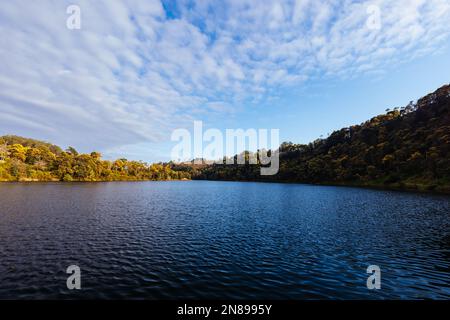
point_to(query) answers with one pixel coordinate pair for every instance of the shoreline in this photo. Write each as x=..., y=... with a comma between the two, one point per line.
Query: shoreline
x=325, y=184
x=349, y=185
x=84, y=181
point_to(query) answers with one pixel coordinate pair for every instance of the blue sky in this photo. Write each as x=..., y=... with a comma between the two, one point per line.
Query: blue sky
x=137, y=70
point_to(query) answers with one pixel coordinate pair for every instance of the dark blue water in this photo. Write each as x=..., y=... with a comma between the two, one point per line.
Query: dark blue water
x=202, y=239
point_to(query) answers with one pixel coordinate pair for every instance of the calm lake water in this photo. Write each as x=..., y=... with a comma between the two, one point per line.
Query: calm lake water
x=200, y=239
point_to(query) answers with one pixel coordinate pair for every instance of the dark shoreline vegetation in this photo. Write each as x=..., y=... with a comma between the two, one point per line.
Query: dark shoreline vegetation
x=405, y=149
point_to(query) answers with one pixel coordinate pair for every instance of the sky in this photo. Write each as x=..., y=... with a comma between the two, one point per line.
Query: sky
x=137, y=70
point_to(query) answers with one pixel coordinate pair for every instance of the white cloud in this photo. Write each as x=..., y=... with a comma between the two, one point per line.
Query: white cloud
x=134, y=71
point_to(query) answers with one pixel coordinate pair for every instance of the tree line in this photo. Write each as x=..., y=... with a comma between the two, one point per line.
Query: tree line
x=405, y=148
x=23, y=159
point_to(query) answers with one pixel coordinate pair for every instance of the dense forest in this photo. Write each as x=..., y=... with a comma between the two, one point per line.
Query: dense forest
x=406, y=148
x=23, y=159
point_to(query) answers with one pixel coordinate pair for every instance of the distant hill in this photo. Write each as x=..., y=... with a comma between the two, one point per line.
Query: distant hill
x=27, y=142
x=406, y=148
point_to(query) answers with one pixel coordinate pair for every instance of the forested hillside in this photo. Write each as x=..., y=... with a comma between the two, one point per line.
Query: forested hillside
x=23, y=159
x=406, y=148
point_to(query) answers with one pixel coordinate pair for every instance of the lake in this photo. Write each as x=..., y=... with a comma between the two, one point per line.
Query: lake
x=207, y=239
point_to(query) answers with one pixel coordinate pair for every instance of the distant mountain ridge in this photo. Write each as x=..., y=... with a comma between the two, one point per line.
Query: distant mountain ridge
x=406, y=148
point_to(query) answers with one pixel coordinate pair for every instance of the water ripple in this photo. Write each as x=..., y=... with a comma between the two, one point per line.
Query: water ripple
x=161, y=240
